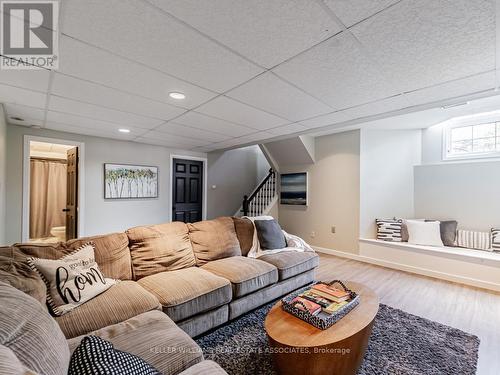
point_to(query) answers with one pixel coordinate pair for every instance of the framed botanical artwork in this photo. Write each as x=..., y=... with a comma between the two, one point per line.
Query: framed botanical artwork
x=124, y=181
x=293, y=189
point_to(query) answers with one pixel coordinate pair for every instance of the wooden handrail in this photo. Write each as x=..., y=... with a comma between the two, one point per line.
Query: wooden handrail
x=247, y=200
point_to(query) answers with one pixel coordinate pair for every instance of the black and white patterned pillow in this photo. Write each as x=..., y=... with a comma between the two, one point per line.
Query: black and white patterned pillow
x=495, y=239
x=96, y=356
x=389, y=229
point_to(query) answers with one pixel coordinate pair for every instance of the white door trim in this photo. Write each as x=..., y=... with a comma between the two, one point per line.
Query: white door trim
x=26, y=182
x=205, y=173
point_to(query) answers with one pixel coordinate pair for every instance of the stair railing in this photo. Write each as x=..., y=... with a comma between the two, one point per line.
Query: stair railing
x=257, y=202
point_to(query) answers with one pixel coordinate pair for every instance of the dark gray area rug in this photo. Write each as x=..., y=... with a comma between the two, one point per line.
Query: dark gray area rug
x=401, y=344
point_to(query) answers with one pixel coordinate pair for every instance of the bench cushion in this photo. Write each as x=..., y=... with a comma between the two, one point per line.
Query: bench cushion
x=155, y=338
x=122, y=301
x=246, y=274
x=187, y=292
x=291, y=263
x=214, y=239
x=159, y=248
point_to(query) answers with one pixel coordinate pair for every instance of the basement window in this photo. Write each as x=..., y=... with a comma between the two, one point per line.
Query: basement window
x=480, y=140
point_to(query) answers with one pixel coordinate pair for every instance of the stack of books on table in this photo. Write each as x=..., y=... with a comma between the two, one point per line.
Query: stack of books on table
x=322, y=297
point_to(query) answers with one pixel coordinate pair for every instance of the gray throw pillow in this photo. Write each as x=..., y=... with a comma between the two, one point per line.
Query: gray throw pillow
x=270, y=234
x=448, y=230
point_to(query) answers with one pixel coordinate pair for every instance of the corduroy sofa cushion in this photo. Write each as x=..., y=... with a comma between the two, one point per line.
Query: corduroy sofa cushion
x=153, y=337
x=247, y=275
x=159, y=248
x=292, y=263
x=14, y=270
x=187, y=292
x=244, y=231
x=111, y=254
x=122, y=301
x=31, y=333
x=214, y=239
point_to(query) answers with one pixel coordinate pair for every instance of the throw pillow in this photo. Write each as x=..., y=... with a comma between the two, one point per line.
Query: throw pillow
x=96, y=356
x=495, y=239
x=426, y=233
x=448, y=229
x=473, y=240
x=270, y=234
x=389, y=229
x=244, y=231
x=72, y=279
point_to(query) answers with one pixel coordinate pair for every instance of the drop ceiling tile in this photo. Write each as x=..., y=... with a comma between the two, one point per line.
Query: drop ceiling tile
x=89, y=63
x=91, y=111
x=267, y=32
x=14, y=95
x=203, y=122
x=337, y=72
x=426, y=42
x=230, y=110
x=77, y=89
x=329, y=119
x=287, y=129
x=175, y=139
x=25, y=112
x=274, y=95
x=37, y=80
x=376, y=108
x=143, y=33
x=95, y=132
x=187, y=131
x=453, y=89
x=353, y=11
x=87, y=123
x=260, y=136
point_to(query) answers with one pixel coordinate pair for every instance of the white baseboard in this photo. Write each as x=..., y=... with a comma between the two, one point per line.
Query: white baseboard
x=461, y=279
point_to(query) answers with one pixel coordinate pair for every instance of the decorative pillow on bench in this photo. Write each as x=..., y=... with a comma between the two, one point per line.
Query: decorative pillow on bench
x=72, y=279
x=495, y=239
x=473, y=240
x=425, y=233
x=389, y=229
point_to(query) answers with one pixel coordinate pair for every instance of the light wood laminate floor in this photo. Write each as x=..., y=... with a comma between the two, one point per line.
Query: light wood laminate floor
x=472, y=310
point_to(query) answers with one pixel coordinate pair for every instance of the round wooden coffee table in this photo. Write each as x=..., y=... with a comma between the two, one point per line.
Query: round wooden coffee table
x=299, y=348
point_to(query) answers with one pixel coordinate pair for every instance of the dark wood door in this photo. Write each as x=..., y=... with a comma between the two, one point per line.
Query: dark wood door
x=72, y=194
x=187, y=190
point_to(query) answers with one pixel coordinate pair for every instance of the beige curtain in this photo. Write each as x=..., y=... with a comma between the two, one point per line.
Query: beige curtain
x=47, y=196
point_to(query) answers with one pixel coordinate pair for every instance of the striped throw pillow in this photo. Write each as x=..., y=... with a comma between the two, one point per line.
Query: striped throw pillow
x=389, y=229
x=495, y=239
x=473, y=240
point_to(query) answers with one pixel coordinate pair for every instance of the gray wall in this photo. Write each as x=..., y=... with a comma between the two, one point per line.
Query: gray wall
x=387, y=181
x=3, y=173
x=467, y=192
x=234, y=173
x=101, y=216
x=333, y=195
x=432, y=144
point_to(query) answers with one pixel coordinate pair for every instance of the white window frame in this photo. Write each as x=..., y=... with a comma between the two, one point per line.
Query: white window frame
x=465, y=122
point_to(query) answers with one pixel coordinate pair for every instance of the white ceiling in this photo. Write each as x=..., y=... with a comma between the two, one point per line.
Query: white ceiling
x=252, y=70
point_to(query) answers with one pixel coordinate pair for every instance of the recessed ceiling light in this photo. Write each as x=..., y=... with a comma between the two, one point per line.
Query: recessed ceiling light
x=124, y=130
x=15, y=118
x=177, y=95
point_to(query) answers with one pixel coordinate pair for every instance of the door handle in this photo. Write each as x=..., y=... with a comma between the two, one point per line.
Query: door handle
x=65, y=210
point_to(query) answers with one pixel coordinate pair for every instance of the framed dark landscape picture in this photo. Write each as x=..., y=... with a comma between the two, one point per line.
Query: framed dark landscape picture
x=123, y=181
x=293, y=189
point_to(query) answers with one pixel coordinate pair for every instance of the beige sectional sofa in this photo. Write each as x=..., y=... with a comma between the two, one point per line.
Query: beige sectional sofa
x=197, y=274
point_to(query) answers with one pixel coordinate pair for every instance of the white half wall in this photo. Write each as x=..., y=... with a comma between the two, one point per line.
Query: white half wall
x=101, y=216
x=387, y=159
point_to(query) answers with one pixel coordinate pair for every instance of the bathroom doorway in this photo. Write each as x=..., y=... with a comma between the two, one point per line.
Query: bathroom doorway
x=52, y=195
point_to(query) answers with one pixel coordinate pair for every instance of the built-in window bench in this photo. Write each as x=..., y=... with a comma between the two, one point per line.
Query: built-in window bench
x=467, y=266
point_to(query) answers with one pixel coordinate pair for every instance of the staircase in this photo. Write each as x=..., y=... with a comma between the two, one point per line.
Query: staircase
x=261, y=199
